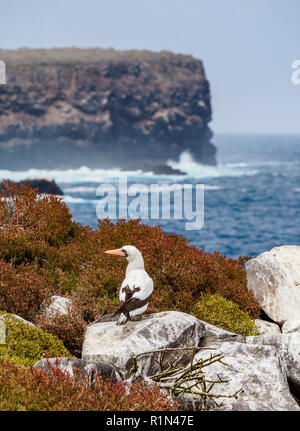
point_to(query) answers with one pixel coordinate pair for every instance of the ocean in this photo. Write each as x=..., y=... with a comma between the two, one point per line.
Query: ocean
x=251, y=198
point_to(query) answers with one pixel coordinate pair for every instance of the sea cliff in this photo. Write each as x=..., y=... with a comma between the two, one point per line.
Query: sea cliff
x=68, y=107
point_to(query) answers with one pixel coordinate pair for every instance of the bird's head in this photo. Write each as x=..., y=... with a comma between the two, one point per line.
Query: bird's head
x=129, y=251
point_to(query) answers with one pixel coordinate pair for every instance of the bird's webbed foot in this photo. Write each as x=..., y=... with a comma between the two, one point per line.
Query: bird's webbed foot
x=123, y=319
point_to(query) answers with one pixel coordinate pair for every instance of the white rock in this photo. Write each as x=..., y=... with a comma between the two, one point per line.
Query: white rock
x=266, y=328
x=291, y=325
x=288, y=346
x=257, y=371
x=107, y=342
x=274, y=278
x=59, y=306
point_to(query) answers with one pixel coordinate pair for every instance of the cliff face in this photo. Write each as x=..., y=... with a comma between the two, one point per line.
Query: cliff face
x=102, y=108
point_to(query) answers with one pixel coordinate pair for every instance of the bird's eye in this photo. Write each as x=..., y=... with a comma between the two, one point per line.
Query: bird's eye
x=125, y=252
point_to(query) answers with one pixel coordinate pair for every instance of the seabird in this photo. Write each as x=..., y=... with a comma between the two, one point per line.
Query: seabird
x=137, y=287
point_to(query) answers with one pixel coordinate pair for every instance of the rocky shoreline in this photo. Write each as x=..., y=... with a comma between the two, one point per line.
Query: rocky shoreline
x=44, y=185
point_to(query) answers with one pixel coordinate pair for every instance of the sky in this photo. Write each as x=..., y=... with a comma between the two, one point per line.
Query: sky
x=247, y=46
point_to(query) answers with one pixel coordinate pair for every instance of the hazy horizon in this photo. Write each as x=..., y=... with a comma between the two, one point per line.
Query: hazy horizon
x=247, y=49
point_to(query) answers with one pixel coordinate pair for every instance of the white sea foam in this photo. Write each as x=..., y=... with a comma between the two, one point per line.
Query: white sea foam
x=80, y=175
x=197, y=170
x=72, y=200
x=84, y=174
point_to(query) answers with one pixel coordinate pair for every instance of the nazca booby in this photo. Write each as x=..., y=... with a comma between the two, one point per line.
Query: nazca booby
x=137, y=286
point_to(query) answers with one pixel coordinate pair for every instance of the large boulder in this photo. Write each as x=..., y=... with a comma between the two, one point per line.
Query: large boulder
x=288, y=347
x=274, y=278
x=107, y=342
x=253, y=378
x=83, y=368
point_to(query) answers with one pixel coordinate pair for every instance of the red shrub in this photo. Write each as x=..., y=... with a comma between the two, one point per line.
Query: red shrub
x=22, y=290
x=46, y=215
x=47, y=253
x=180, y=271
x=70, y=328
x=30, y=389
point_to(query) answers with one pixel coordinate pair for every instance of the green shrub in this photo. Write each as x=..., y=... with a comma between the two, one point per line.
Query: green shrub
x=26, y=344
x=218, y=311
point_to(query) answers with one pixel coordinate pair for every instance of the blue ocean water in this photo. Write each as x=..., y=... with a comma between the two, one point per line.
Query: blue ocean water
x=251, y=199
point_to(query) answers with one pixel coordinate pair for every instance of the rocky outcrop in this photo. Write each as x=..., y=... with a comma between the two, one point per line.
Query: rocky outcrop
x=44, y=185
x=274, y=278
x=65, y=108
x=107, y=342
x=87, y=370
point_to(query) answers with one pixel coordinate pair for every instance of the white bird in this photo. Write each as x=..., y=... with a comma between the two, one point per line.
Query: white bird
x=137, y=287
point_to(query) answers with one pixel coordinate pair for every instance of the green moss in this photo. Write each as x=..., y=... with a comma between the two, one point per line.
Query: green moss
x=26, y=344
x=218, y=311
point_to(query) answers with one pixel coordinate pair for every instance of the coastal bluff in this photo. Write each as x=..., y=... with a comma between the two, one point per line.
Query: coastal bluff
x=68, y=107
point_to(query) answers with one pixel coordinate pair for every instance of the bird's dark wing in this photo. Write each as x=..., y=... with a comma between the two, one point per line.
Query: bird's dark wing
x=131, y=303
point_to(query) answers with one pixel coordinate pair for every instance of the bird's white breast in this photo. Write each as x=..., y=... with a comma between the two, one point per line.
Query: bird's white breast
x=138, y=278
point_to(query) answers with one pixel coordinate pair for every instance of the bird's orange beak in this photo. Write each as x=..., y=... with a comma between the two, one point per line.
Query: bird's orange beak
x=117, y=252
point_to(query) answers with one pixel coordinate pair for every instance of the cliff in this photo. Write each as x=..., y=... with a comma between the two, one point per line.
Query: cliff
x=69, y=107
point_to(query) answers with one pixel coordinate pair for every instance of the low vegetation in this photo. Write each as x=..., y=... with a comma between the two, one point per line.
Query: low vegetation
x=30, y=389
x=225, y=314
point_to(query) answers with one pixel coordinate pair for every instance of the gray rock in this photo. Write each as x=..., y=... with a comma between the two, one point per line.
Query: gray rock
x=288, y=346
x=107, y=342
x=59, y=306
x=214, y=334
x=267, y=328
x=274, y=278
x=256, y=371
x=2, y=332
x=84, y=368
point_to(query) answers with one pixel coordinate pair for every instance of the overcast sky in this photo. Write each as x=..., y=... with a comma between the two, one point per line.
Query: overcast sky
x=247, y=46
